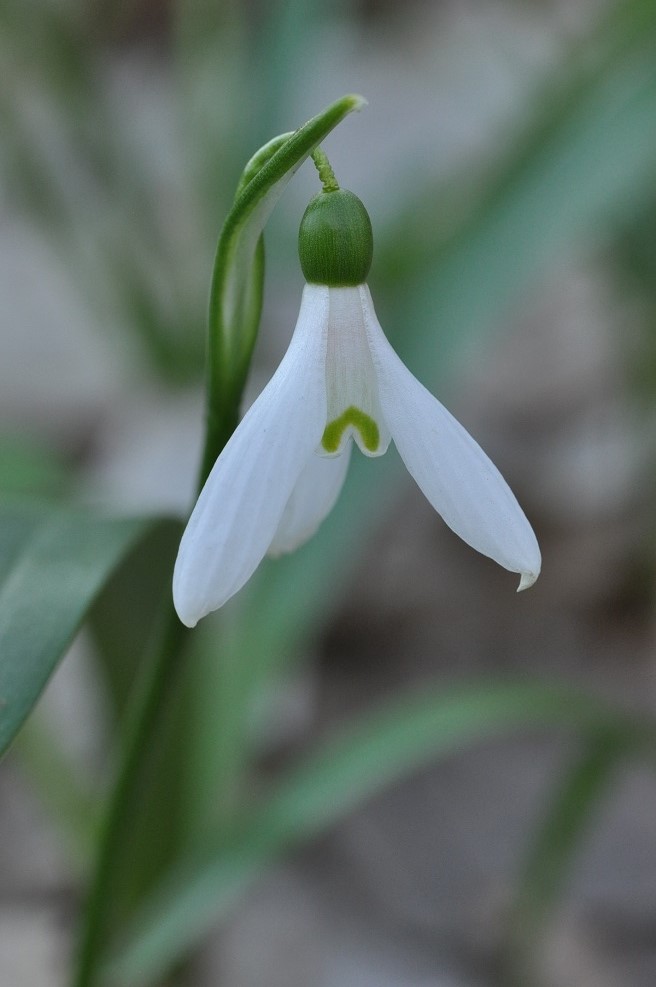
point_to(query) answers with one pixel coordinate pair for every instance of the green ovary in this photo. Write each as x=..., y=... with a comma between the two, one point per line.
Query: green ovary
x=365, y=425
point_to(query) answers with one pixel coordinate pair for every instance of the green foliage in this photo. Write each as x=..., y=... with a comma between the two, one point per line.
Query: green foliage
x=123, y=619
x=569, y=817
x=585, y=161
x=54, y=565
x=381, y=748
x=29, y=468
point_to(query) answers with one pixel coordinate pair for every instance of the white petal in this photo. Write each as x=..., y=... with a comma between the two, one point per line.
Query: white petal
x=312, y=500
x=240, y=506
x=351, y=386
x=451, y=469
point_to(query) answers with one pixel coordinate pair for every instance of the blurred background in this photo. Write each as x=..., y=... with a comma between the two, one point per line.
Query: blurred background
x=508, y=161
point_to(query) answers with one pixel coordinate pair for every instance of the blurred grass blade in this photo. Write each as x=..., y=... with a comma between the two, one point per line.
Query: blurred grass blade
x=283, y=41
x=382, y=748
x=18, y=519
x=71, y=801
x=584, y=166
x=29, y=468
x=238, y=276
x=45, y=594
x=126, y=613
x=578, y=799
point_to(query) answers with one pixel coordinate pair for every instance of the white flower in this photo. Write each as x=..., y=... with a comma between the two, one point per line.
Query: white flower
x=282, y=470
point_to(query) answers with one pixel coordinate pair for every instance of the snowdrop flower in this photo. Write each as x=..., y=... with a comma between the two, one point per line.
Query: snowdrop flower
x=339, y=383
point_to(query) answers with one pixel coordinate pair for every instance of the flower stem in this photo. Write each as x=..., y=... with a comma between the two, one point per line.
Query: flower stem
x=226, y=378
x=159, y=671
x=326, y=173
x=156, y=678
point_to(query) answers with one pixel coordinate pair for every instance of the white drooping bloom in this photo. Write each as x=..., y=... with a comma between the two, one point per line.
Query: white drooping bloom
x=282, y=470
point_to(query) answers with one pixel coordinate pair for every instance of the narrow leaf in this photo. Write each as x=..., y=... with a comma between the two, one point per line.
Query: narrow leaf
x=583, y=165
x=384, y=747
x=71, y=802
x=18, y=519
x=579, y=797
x=44, y=596
x=123, y=618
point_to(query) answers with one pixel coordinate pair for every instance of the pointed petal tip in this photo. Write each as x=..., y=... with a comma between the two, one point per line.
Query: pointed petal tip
x=527, y=579
x=187, y=621
x=185, y=616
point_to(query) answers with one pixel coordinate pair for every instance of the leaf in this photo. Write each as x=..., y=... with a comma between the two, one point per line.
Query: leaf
x=582, y=166
x=17, y=522
x=63, y=791
x=579, y=796
x=364, y=759
x=123, y=618
x=27, y=467
x=48, y=585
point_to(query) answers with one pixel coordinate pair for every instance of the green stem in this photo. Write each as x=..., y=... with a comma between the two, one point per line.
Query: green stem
x=141, y=718
x=158, y=673
x=326, y=173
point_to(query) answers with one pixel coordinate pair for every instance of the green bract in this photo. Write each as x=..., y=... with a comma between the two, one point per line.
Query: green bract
x=238, y=276
x=335, y=242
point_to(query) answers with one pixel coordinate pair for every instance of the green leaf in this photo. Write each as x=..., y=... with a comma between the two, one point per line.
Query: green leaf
x=585, y=163
x=282, y=44
x=28, y=467
x=237, y=281
x=579, y=797
x=123, y=618
x=383, y=747
x=69, y=799
x=17, y=522
x=52, y=576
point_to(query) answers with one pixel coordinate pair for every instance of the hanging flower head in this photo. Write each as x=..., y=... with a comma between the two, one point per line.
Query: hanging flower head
x=339, y=382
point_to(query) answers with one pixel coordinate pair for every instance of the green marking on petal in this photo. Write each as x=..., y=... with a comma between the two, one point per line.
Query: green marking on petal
x=365, y=425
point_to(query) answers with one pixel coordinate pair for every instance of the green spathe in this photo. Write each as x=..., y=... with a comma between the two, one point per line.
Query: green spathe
x=335, y=241
x=365, y=425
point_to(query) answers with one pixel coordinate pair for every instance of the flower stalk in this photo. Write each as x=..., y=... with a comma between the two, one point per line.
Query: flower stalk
x=326, y=173
x=235, y=306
